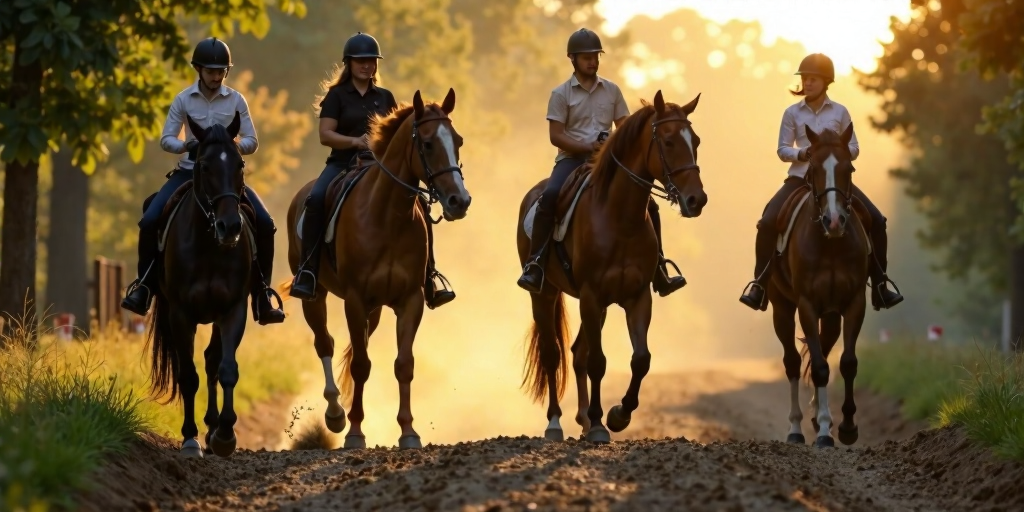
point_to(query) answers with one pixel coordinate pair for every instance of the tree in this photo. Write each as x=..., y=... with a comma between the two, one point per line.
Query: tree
x=957, y=176
x=81, y=71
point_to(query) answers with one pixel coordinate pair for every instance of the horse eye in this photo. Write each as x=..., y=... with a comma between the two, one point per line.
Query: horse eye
x=669, y=144
x=428, y=145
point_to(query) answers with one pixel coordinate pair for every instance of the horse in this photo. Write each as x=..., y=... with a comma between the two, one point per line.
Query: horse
x=611, y=247
x=380, y=251
x=822, y=277
x=205, y=275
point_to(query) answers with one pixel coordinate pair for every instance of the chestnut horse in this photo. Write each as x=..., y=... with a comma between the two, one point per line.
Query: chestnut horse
x=822, y=277
x=380, y=242
x=204, y=278
x=613, y=253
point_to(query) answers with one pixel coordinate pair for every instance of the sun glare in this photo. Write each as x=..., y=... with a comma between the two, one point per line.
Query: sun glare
x=849, y=31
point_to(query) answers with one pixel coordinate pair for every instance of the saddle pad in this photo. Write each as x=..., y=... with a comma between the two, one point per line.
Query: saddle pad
x=563, y=225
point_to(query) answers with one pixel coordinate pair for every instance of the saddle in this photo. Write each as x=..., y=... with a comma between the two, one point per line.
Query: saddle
x=565, y=206
x=795, y=202
x=175, y=202
x=337, y=191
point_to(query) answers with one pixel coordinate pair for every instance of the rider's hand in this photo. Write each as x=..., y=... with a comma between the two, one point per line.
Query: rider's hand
x=596, y=145
x=804, y=154
x=363, y=142
x=191, y=145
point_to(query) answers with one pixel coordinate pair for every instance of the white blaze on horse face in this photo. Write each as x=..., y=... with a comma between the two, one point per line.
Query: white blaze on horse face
x=688, y=137
x=830, y=183
x=445, y=136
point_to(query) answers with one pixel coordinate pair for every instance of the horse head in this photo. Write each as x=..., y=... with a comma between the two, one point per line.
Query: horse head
x=830, y=175
x=219, y=176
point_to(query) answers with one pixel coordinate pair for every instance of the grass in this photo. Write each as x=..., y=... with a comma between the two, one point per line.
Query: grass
x=976, y=388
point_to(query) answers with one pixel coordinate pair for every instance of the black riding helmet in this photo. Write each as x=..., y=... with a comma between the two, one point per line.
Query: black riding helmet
x=212, y=53
x=818, y=64
x=584, y=41
x=361, y=46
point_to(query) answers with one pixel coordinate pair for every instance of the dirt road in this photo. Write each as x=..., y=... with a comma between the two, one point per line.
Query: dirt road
x=712, y=444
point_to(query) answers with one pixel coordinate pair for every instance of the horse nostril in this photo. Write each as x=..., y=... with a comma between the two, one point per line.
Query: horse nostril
x=454, y=201
x=691, y=201
x=220, y=227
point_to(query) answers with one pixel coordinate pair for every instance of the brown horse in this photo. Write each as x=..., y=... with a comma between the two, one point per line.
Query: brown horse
x=205, y=272
x=822, y=277
x=613, y=253
x=380, y=242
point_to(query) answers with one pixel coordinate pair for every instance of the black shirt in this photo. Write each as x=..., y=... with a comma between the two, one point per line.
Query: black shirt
x=352, y=111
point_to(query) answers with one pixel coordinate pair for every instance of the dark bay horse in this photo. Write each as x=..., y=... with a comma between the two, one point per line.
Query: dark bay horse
x=822, y=277
x=613, y=253
x=205, y=276
x=380, y=242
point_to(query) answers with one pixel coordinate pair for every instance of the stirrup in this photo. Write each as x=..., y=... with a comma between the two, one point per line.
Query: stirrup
x=295, y=281
x=881, y=286
x=445, y=284
x=665, y=262
x=749, y=288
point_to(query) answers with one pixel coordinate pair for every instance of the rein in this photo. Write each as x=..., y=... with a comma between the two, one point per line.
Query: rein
x=670, y=191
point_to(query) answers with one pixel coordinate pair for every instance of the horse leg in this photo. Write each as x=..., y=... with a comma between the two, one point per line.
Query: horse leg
x=784, y=319
x=831, y=328
x=315, y=312
x=212, y=357
x=853, y=318
x=358, y=329
x=580, y=352
x=232, y=327
x=545, y=350
x=183, y=333
x=638, y=321
x=809, y=321
x=590, y=313
x=409, y=314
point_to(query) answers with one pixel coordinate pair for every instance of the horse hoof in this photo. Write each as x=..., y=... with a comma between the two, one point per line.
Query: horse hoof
x=191, y=449
x=796, y=439
x=599, y=435
x=355, y=442
x=824, y=442
x=848, y=436
x=335, y=424
x=554, y=434
x=223, y=447
x=618, y=419
x=409, y=442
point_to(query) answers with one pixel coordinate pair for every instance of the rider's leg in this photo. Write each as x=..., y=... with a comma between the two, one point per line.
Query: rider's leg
x=764, y=245
x=881, y=295
x=662, y=283
x=304, y=283
x=543, y=223
x=262, y=310
x=434, y=297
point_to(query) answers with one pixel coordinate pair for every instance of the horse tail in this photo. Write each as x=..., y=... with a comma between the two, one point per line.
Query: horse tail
x=166, y=362
x=807, y=367
x=535, y=378
x=285, y=289
x=347, y=384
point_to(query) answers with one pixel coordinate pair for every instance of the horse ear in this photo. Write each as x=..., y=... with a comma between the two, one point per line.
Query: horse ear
x=235, y=126
x=417, y=104
x=811, y=135
x=449, y=102
x=847, y=135
x=691, y=106
x=197, y=131
x=659, y=103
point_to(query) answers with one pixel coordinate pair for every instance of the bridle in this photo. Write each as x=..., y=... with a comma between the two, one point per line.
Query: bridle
x=433, y=196
x=671, y=192
x=211, y=202
x=847, y=194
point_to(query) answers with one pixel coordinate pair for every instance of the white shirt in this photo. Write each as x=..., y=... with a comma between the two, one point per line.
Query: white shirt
x=221, y=110
x=793, y=137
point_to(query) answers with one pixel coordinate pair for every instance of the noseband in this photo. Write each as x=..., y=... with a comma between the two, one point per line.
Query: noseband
x=671, y=192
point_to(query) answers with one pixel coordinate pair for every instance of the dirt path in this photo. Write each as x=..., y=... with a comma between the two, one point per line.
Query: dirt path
x=723, y=424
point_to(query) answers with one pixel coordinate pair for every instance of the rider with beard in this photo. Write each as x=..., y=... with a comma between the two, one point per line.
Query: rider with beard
x=207, y=101
x=819, y=112
x=580, y=111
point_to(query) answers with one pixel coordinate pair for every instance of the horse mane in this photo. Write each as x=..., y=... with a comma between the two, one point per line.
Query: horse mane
x=383, y=128
x=621, y=141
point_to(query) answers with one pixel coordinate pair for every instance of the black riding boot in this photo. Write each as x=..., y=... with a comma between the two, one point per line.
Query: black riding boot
x=305, y=282
x=140, y=292
x=881, y=295
x=532, y=279
x=262, y=310
x=754, y=295
x=433, y=296
x=663, y=284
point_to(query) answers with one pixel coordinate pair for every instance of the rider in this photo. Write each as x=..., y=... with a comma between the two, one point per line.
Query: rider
x=579, y=110
x=819, y=112
x=207, y=101
x=350, y=98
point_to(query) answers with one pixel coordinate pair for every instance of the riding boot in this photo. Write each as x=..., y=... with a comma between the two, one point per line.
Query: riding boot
x=754, y=295
x=262, y=310
x=305, y=282
x=532, y=279
x=433, y=296
x=663, y=284
x=881, y=295
x=140, y=292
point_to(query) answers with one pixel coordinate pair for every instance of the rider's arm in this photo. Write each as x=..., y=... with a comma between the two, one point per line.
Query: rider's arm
x=330, y=112
x=787, y=137
x=247, y=142
x=169, y=140
x=558, y=110
x=846, y=121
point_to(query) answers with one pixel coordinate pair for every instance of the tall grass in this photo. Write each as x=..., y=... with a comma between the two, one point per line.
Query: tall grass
x=991, y=406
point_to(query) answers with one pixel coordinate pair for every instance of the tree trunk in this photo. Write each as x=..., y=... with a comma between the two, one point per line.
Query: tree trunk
x=1017, y=297
x=21, y=188
x=66, y=266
